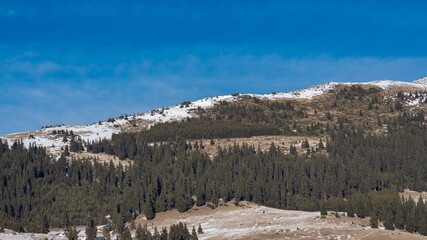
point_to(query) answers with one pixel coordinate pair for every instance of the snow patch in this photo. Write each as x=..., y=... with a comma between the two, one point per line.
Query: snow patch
x=54, y=142
x=422, y=80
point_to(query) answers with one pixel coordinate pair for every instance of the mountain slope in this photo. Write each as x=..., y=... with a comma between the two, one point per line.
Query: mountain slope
x=52, y=137
x=358, y=144
x=422, y=80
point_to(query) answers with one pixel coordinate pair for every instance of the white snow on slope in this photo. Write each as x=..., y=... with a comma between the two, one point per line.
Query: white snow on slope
x=178, y=112
x=22, y=236
x=385, y=84
x=181, y=111
x=54, y=143
x=422, y=80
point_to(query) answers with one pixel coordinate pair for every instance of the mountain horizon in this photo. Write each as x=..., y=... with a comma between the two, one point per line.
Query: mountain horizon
x=422, y=80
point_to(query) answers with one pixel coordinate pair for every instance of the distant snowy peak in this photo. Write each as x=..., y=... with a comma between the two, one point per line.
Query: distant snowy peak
x=422, y=80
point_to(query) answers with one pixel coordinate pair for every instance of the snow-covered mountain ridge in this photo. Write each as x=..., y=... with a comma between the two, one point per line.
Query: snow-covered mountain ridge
x=422, y=80
x=105, y=129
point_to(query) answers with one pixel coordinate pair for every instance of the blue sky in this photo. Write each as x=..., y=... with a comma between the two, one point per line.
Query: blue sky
x=76, y=62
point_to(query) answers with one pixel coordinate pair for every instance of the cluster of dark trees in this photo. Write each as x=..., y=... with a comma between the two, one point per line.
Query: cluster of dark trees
x=253, y=117
x=355, y=92
x=176, y=232
x=401, y=214
x=353, y=173
x=207, y=128
x=76, y=145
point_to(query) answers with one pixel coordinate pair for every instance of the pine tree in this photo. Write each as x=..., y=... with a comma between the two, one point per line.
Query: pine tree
x=194, y=234
x=321, y=145
x=410, y=224
x=350, y=209
x=236, y=201
x=291, y=204
x=45, y=225
x=126, y=235
x=323, y=211
x=422, y=227
x=329, y=116
x=183, y=201
x=139, y=232
x=201, y=198
x=399, y=220
x=420, y=217
x=292, y=150
x=71, y=233
x=164, y=234
x=199, y=229
x=142, y=233
x=148, y=234
x=90, y=229
x=66, y=151
x=119, y=223
x=374, y=221
x=360, y=201
x=305, y=144
x=156, y=235
x=149, y=211
x=388, y=220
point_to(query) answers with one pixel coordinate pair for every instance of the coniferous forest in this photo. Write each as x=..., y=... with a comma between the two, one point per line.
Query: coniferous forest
x=357, y=172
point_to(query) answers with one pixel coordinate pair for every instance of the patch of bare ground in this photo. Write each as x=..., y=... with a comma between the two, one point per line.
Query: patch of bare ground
x=263, y=142
x=100, y=157
x=252, y=221
x=414, y=195
x=136, y=125
x=404, y=88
